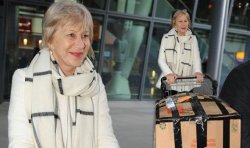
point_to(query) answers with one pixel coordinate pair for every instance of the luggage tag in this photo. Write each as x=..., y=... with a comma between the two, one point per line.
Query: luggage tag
x=171, y=100
x=170, y=103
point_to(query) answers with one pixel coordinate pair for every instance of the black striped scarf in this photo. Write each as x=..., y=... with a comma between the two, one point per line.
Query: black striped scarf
x=45, y=85
x=181, y=45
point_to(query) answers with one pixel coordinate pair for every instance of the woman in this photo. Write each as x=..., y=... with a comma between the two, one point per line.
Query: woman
x=59, y=100
x=179, y=53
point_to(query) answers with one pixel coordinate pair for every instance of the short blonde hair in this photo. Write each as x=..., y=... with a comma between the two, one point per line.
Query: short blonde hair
x=60, y=13
x=178, y=13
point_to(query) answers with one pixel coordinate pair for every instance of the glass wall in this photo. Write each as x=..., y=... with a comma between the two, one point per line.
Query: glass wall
x=203, y=42
x=29, y=33
x=134, y=7
x=204, y=11
x=98, y=28
x=24, y=34
x=98, y=4
x=234, y=43
x=153, y=70
x=240, y=15
x=123, y=57
x=165, y=8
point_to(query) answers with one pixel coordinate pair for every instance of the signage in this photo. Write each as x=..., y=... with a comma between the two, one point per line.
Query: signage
x=24, y=25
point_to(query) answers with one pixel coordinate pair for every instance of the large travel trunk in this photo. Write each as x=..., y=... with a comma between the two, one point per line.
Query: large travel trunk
x=195, y=120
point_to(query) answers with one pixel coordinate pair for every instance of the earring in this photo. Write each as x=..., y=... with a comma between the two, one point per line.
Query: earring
x=51, y=49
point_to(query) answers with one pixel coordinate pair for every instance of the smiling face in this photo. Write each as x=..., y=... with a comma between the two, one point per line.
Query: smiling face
x=70, y=45
x=181, y=24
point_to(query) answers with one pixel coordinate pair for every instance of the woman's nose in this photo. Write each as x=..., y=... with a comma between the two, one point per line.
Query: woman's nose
x=81, y=43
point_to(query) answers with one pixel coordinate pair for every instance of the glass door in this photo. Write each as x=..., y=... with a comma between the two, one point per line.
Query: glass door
x=24, y=36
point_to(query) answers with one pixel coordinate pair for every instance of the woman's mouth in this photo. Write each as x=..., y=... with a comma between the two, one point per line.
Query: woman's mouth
x=77, y=54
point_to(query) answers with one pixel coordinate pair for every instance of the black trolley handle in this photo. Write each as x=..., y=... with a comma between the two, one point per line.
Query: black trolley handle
x=164, y=78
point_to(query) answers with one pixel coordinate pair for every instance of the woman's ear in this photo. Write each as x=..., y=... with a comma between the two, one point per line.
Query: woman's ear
x=50, y=46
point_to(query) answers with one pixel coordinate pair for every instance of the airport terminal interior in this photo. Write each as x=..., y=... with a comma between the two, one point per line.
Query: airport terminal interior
x=127, y=37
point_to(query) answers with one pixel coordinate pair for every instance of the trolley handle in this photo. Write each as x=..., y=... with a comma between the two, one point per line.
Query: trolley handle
x=164, y=78
x=189, y=77
x=207, y=78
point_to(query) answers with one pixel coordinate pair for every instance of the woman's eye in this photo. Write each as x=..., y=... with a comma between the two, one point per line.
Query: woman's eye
x=71, y=35
x=85, y=36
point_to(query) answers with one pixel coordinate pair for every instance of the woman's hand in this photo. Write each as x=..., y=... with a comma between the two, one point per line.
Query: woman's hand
x=199, y=77
x=171, y=78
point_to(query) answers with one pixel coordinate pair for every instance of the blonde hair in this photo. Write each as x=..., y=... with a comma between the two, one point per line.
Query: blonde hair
x=178, y=13
x=60, y=13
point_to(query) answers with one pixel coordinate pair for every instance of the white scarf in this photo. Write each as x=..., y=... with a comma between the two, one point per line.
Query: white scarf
x=179, y=56
x=179, y=52
x=45, y=86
